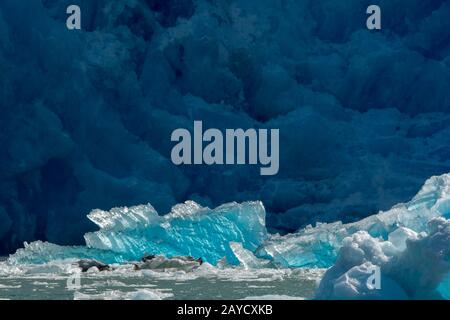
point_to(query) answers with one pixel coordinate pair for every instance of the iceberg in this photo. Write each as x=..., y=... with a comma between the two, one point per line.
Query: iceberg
x=247, y=259
x=319, y=246
x=417, y=269
x=409, y=244
x=127, y=234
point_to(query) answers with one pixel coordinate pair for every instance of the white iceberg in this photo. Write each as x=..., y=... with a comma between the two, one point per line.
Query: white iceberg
x=319, y=246
x=419, y=268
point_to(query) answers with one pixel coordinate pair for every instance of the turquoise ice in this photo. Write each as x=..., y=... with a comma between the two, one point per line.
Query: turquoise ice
x=127, y=234
x=409, y=243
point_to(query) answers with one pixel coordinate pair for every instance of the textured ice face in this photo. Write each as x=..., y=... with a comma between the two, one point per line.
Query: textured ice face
x=189, y=230
x=122, y=219
x=318, y=246
x=410, y=244
x=127, y=234
x=418, y=269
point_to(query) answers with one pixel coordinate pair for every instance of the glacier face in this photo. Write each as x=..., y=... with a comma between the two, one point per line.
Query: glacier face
x=409, y=243
x=139, y=69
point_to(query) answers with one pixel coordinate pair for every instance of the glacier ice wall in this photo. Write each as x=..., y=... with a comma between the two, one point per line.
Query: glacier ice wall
x=375, y=103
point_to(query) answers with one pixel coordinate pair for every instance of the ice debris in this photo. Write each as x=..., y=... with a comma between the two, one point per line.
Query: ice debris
x=142, y=294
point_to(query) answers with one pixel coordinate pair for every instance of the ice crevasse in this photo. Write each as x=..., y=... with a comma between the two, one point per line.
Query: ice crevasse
x=410, y=243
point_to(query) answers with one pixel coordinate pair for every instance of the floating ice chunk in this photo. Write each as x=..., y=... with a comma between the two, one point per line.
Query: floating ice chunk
x=425, y=264
x=189, y=230
x=246, y=258
x=318, y=246
x=128, y=234
x=308, y=248
x=420, y=271
x=410, y=243
x=354, y=285
x=40, y=252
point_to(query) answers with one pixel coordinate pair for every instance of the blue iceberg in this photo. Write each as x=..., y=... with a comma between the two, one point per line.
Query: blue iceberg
x=410, y=244
x=319, y=246
x=127, y=234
